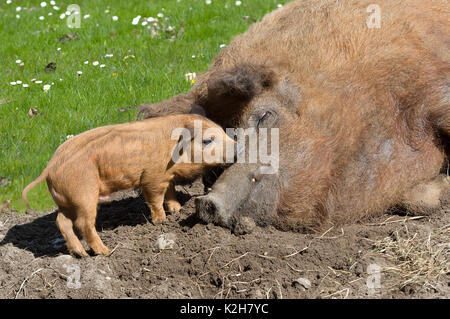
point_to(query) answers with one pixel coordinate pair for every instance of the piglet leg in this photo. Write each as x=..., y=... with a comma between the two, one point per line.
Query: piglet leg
x=154, y=195
x=172, y=203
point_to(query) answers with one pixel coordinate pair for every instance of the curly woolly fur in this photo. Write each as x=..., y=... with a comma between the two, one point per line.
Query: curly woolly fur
x=370, y=124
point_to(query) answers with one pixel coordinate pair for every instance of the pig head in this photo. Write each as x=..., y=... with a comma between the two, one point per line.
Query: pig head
x=363, y=114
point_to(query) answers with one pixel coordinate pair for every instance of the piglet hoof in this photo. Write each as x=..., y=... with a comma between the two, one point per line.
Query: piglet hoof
x=156, y=220
x=79, y=253
x=173, y=206
x=103, y=251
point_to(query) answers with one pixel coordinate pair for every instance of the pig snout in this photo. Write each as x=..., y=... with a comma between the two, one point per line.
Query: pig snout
x=211, y=209
x=240, y=199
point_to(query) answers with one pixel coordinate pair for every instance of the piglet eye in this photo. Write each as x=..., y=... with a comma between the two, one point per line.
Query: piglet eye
x=208, y=141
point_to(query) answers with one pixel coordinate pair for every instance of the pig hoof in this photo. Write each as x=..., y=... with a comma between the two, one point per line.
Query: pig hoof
x=244, y=225
x=173, y=207
x=158, y=220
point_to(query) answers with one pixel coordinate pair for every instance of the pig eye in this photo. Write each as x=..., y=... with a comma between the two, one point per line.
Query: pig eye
x=268, y=117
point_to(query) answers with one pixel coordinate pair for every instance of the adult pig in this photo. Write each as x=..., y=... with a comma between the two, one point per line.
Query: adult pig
x=360, y=93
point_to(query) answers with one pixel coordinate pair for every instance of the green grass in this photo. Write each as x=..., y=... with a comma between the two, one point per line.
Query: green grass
x=143, y=69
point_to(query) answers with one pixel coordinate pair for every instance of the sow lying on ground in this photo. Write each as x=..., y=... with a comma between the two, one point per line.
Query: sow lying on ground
x=363, y=112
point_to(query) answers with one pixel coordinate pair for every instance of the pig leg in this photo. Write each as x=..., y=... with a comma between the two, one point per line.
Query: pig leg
x=154, y=195
x=65, y=224
x=171, y=199
x=427, y=197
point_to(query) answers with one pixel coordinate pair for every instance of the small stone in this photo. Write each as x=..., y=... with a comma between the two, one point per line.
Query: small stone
x=165, y=241
x=303, y=282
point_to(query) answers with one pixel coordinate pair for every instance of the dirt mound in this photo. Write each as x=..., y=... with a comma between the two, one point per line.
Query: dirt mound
x=391, y=256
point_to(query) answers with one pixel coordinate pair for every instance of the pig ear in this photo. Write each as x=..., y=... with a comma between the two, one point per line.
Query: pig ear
x=197, y=109
x=179, y=104
x=243, y=81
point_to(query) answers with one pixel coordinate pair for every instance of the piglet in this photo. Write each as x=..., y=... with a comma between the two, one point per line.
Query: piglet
x=149, y=154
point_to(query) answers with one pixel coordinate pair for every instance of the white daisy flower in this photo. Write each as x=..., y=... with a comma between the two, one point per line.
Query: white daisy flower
x=193, y=56
x=32, y=80
x=19, y=82
x=87, y=16
x=18, y=16
x=50, y=13
x=8, y=1
x=86, y=62
x=151, y=19
x=38, y=82
x=47, y=87
x=144, y=23
x=43, y=4
x=62, y=16
x=79, y=73
x=56, y=8
x=69, y=136
x=13, y=83
x=208, y=1
x=52, y=3
x=136, y=20
x=95, y=63
x=25, y=85
x=109, y=55
x=160, y=15
x=58, y=49
x=190, y=77
x=18, y=9
x=102, y=65
x=107, y=11
x=18, y=61
x=41, y=18
x=238, y=3
x=279, y=5
x=222, y=46
x=115, y=18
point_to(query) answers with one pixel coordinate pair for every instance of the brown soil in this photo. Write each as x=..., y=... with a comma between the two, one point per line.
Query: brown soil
x=207, y=261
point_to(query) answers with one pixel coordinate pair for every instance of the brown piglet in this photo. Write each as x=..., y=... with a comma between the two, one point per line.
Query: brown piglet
x=148, y=154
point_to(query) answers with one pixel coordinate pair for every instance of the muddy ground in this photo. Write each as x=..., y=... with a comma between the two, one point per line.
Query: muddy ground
x=207, y=261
